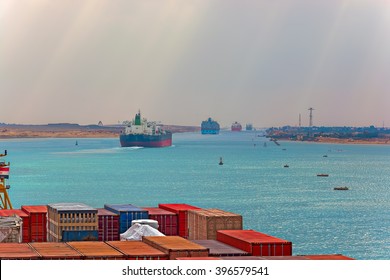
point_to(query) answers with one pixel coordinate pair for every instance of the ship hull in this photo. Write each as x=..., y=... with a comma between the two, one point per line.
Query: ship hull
x=143, y=140
x=210, y=131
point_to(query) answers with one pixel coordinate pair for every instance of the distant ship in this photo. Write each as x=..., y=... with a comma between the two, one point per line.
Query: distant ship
x=249, y=126
x=141, y=133
x=209, y=127
x=236, y=126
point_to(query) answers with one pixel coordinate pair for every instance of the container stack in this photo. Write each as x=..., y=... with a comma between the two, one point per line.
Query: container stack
x=108, y=225
x=25, y=221
x=167, y=221
x=176, y=246
x=255, y=243
x=203, y=224
x=72, y=222
x=38, y=222
x=127, y=213
x=96, y=250
x=137, y=250
x=182, y=213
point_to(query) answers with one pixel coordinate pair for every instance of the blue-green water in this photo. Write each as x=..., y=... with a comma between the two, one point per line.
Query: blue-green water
x=290, y=203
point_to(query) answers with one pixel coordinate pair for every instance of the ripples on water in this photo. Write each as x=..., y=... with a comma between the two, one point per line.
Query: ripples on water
x=290, y=203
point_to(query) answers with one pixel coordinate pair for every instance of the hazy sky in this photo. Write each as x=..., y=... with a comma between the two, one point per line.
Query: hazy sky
x=179, y=62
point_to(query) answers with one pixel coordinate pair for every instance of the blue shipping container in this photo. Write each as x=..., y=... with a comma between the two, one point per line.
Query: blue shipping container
x=80, y=235
x=127, y=213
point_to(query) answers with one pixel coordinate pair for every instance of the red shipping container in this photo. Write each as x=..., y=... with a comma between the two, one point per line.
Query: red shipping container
x=38, y=222
x=255, y=243
x=182, y=212
x=327, y=257
x=25, y=220
x=167, y=221
x=108, y=225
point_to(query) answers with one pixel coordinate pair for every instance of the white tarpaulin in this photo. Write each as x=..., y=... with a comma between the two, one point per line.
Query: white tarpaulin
x=10, y=229
x=136, y=231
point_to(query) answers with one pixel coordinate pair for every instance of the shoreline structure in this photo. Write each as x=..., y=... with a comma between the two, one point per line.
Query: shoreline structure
x=66, y=130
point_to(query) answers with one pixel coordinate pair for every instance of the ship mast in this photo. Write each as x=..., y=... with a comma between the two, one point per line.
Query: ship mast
x=5, y=202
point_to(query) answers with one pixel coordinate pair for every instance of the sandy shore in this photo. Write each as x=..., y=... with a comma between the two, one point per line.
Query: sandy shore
x=17, y=133
x=70, y=131
x=372, y=141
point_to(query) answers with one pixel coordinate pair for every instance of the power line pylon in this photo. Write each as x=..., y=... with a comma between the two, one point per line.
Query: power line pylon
x=311, y=117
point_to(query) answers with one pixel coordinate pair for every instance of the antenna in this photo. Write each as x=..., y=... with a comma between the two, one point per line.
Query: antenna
x=311, y=116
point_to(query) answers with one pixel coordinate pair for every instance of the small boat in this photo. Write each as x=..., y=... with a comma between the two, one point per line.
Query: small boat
x=340, y=188
x=325, y=156
x=286, y=165
x=323, y=175
x=220, y=161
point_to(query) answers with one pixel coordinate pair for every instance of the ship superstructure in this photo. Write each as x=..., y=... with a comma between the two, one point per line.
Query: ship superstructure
x=236, y=126
x=141, y=133
x=209, y=126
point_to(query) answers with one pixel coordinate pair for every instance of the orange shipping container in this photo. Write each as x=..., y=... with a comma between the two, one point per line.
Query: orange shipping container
x=55, y=251
x=96, y=250
x=176, y=246
x=17, y=251
x=204, y=223
x=137, y=250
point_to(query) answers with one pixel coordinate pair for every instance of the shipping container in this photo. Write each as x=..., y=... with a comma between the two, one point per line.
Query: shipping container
x=17, y=251
x=255, y=243
x=79, y=235
x=38, y=222
x=167, y=220
x=198, y=259
x=284, y=258
x=137, y=250
x=55, y=251
x=127, y=213
x=243, y=258
x=96, y=250
x=182, y=213
x=219, y=249
x=204, y=223
x=327, y=257
x=108, y=225
x=25, y=231
x=176, y=246
x=70, y=217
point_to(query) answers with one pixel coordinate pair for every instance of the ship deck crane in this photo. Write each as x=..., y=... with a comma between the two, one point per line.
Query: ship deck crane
x=5, y=202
